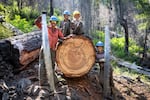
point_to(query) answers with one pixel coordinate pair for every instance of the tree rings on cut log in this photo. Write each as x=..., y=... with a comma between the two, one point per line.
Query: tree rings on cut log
x=75, y=56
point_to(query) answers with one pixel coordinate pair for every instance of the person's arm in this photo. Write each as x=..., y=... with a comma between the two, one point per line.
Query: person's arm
x=78, y=29
x=38, y=22
x=60, y=34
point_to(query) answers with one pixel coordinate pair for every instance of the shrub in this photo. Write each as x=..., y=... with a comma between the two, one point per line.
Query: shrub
x=117, y=45
x=22, y=24
x=98, y=36
x=4, y=33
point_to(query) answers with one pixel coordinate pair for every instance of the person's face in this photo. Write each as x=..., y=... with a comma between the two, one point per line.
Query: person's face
x=66, y=16
x=53, y=23
x=77, y=16
x=100, y=49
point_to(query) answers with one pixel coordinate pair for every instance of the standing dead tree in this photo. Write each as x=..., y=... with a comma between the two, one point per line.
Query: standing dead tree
x=85, y=6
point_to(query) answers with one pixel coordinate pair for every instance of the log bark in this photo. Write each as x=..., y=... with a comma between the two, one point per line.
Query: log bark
x=75, y=56
x=28, y=46
x=21, y=50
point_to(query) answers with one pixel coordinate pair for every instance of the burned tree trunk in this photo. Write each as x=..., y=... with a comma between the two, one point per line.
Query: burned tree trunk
x=123, y=23
x=125, y=26
x=8, y=58
x=20, y=50
x=28, y=46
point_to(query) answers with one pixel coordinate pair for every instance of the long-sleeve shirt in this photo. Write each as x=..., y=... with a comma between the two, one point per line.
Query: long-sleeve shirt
x=53, y=34
x=77, y=27
x=65, y=27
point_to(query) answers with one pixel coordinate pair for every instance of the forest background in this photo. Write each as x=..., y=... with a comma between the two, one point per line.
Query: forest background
x=129, y=22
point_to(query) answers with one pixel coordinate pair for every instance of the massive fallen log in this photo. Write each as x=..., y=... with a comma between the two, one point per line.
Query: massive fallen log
x=21, y=50
x=75, y=56
x=28, y=46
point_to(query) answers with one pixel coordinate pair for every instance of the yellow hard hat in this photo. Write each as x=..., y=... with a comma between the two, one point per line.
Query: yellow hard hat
x=76, y=13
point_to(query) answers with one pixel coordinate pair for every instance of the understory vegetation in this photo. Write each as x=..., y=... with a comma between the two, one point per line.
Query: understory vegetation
x=117, y=47
x=23, y=18
x=4, y=33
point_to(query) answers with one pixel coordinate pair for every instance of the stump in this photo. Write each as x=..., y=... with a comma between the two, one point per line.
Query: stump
x=75, y=56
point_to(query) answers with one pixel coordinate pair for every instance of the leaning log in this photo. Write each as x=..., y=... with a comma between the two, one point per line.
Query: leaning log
x=21, y=50
x=75, y=56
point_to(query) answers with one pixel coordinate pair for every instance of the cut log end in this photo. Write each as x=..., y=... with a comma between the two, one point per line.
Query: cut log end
x=75, y=56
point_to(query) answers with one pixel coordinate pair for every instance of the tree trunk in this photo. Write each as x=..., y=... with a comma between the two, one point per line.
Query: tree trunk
x=51, y=8
x=85, y=6
x=21, y=50
x=125, y=26
x=144, y=53
x=75, y=56
x=123, y=23
x=20, y=4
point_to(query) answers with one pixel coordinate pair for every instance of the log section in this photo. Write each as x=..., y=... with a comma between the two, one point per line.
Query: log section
x=21, y=50
x=28, y=46
x=75, y=56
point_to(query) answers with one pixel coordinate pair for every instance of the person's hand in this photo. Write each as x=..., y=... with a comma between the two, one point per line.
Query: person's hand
x=38, y=20
x=71, y=35
x=60, y=41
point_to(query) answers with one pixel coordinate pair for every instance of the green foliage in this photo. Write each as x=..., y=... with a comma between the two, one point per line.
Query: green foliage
x=25, y=12
x=22, y=24
x=144, y=18
x=143, y=7
x=4, y=33
x=57, y=12
x=141, y=16
x=142, y=26
x=28, y=13
x=117, y=45
x=12, y=11
x=133, y=47
x=20, y=18
x=98, y=36
x=128, y=72
x=2, y=9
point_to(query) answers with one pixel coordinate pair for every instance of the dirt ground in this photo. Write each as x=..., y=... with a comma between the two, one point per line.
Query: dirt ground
x=131, y=89
x=25, y=86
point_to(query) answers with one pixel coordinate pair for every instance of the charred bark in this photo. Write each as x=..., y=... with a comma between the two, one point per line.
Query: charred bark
x=28, y=46
x=20, y=50
x=51, y=8
x=123, y=23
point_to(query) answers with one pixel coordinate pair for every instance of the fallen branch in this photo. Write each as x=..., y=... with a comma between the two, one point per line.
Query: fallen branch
x=133, y=66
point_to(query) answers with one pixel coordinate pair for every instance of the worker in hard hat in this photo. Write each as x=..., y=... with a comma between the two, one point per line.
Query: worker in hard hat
x=100, y=59
x=77, y=25
x=65, y=24
x=99, y=51
x=54, y=33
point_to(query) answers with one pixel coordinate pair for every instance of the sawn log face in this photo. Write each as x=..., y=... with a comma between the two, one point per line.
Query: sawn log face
x=75, y=56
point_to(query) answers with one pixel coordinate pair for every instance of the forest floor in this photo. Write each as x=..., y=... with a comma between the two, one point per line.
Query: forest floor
x=131, y=89
x=27, y=87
